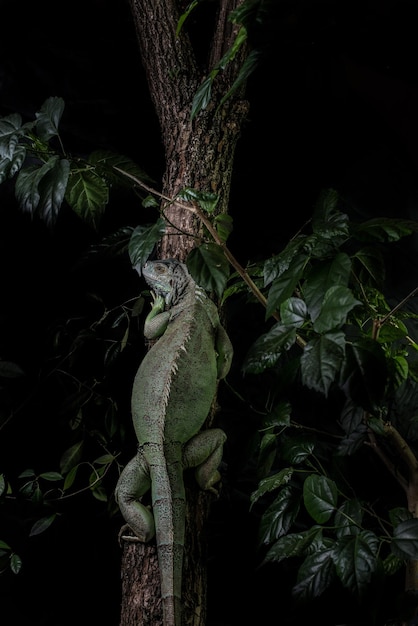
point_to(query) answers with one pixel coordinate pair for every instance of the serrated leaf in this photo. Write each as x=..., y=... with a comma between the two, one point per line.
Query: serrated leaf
x=384, y=229
x=143, y=241
x=271, y=483
x=405, y=539
x=372, y=264
x=118, y=168
x=10, y=132
x=207, y=200
x=87, y=194
x=209, y=267
x=321, y=361
x=48, y=118
x=42, y=525
x=293, y=312
x=323, y=276
x=315, y=575
x=296, y=544
x=279, y=516
x=284, y=286
x=338, y=302
x=355, y=558
x=52, y=190
x=9, y=166
x=348, y=518
x=27, y=184
x=224, y=226
x=297, y=448
x=267, y=349
x=320, y=496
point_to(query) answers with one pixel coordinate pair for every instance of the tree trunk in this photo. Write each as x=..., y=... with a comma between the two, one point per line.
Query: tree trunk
x=199, y=154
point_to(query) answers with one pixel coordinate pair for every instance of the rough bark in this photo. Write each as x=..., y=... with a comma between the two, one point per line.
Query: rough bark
x=198, y=154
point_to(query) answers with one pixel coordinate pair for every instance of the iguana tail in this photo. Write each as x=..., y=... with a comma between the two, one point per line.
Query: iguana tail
x=168, y=502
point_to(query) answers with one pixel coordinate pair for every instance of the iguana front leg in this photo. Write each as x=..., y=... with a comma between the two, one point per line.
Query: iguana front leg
x=204, y=452
x=157, y=319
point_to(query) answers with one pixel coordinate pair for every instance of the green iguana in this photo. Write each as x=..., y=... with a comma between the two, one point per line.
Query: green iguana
x=172, y=394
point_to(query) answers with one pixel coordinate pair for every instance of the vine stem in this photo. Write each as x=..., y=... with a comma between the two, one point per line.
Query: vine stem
x=194, y=208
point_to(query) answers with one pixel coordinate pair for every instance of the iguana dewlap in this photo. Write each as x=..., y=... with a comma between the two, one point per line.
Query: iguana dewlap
x=172, y=394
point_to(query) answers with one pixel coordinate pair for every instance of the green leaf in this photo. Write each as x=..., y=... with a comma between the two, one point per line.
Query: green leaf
x=70, y=477
x=10, y=166
x=338, y=302
x=10, y=132
x=87, y=194
x=48, y=118
x=321, y=361
x=2, y=484
x=295, y=545
x=293, y=312
x=52, y=190
x=51, y=476
x=323, y=276
x=297, y=448
x=405, y=539
x=105, y=459
x=28, y=181
x=41, y=525
x=118, y=168
x=348, y=518
x=207, y=200
x=371, y=262
x=279, y=263
x=143, y=241
x=279, y=416
x=71, y=457
x=267, y=349
x=223, y=224
x=355, y=559
x=15, y=563
x=315, y=575
x=325, y=207
x=183, y=17
x=202, y=95
x=209, y=267
x=279, y=516
x=271, y=483
x=384, y=229
x=284, y=286
x=320, y=497
x=4, y=546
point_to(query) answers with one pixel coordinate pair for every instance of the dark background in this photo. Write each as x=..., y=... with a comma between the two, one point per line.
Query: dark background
x=333, y=103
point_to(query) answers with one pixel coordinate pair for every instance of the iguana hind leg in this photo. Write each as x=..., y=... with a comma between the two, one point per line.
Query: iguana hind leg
x=204, y=452
x=133, y=483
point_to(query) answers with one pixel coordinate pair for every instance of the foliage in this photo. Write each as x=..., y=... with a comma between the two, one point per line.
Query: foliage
x=330, y=333
x=358, y=354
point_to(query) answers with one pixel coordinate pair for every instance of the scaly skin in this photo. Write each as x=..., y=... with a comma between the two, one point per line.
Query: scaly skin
x=172, y=394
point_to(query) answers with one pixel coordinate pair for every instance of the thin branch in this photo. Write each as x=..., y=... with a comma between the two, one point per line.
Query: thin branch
x=228, y=254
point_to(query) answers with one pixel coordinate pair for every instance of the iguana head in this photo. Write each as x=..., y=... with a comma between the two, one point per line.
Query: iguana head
x=168, y=278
